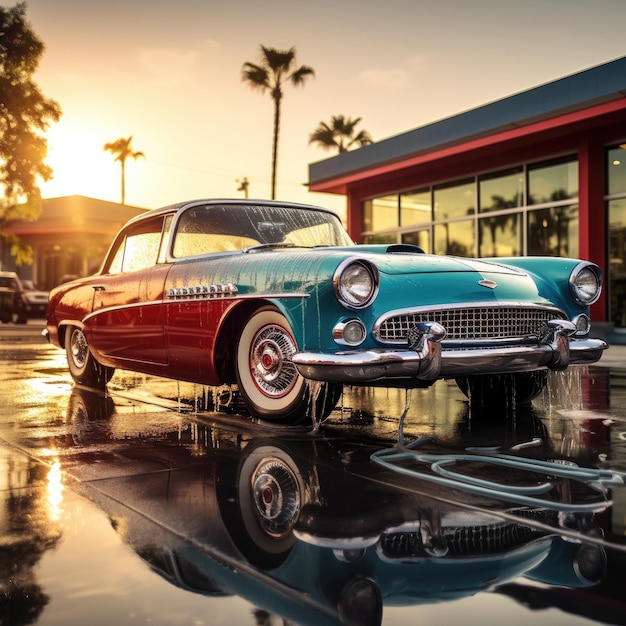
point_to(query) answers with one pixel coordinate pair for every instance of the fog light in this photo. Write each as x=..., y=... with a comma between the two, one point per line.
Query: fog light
x=583, y=325
x=590, y=563
x=349, y=333
x=361, y=602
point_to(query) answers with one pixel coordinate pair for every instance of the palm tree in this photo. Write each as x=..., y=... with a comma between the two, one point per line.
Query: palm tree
x=275, y=68
x=339, y=134
x=121, y=148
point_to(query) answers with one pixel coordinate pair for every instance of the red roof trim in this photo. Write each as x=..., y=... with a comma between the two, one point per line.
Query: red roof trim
x=536, y=128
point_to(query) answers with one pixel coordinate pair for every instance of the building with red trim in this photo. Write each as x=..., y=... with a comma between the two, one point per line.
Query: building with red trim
x=542, y=172
x=70, y=238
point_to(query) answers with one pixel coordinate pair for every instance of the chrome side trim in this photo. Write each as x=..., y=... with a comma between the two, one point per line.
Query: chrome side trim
x=203, y=292
x=121, y=307
x=193, y=299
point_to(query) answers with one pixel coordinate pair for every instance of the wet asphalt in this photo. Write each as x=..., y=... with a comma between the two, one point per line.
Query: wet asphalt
x=159, y=502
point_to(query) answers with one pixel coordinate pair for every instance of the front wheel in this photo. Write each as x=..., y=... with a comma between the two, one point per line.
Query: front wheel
x=268, y=380
x=84, y=369
x=503, y=389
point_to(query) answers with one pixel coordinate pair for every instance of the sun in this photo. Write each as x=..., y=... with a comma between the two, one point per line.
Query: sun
x=79, y=164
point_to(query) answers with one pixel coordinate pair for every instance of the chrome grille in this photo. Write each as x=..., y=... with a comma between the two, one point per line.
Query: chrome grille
x=473, y=323
x=471, y=540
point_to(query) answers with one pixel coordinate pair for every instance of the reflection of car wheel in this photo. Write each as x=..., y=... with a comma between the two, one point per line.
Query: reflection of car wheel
x=84, y=369
x=261, y=511
x=503, y=389
x=85, y=407
x=89, y=406
x=270, y=493
x=268, y=380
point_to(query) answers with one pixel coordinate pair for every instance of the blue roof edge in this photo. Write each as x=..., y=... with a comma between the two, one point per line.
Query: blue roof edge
x=601, y=83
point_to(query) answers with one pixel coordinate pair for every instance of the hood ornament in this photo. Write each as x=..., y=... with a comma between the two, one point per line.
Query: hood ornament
x=491, y=284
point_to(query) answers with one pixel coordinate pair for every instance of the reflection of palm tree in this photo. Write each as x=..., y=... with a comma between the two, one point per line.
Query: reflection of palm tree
x=562, y=221
x=339, y=134
x=276, y=67
x=121, y=148
x=498, y=203
x=550, y=224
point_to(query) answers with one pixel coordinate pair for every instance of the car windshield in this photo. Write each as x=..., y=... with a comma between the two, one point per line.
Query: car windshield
x=236, y=227
x=7, y=282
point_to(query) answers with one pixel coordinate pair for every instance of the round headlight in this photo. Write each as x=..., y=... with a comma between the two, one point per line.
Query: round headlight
x=356, y=283
x=586, y=283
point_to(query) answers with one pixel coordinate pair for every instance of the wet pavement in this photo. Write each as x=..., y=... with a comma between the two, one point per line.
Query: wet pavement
x=159, y=504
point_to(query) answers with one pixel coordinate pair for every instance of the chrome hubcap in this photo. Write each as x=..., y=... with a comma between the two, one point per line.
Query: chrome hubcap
x=79, y=348
x=276, y=497
x=270, y=361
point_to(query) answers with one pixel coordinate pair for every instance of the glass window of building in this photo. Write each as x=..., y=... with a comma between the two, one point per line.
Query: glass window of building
x=552, y=182
x=419, y=238
x=617, y=261
x=380, y=213
x=415, y=208
x=500, y=235
x=455, y=238
x=455, y=200
x=377, y=238
x=500, y=192
x=553, y=231
x=616, y=170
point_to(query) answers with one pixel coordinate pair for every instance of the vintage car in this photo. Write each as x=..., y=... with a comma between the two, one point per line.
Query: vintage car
x=276, y=299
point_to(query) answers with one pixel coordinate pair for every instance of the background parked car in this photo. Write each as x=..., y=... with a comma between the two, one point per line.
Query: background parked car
x=20, y=301
x=35, y=300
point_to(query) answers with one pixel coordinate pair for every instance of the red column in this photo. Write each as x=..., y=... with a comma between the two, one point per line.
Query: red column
x=591, y=212
x=355, y=218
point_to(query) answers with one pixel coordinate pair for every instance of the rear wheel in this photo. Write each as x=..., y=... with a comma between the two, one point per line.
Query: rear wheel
x=268, y=380
x=503, y=389
x=84, y=369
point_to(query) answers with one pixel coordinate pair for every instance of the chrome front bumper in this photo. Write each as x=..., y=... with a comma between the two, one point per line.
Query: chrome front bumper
x=426, y=360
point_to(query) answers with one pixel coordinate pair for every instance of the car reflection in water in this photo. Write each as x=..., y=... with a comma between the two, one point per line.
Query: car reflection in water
x=308, y=528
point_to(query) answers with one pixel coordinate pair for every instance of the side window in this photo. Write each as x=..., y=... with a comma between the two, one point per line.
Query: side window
x=115, y=264
x=138, y=249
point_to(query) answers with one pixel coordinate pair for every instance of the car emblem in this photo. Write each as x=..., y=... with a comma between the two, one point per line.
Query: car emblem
x=492, y=284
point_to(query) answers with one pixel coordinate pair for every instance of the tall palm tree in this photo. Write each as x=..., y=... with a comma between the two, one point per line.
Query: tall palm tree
x=121, y=148
x=274, y=69
x=339, y=134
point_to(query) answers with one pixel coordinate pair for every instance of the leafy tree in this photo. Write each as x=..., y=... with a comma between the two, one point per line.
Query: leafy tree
x=275, y=68
x=25, y=114
x=339, y=134
x=122, y=150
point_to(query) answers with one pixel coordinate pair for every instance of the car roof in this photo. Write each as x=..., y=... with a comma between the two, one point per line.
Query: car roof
x=173, y=208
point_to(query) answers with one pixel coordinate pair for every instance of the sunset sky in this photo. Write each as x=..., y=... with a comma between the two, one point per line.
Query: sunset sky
x=169, y=74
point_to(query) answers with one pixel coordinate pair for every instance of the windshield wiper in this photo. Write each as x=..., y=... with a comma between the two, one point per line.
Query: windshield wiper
x=269, y=246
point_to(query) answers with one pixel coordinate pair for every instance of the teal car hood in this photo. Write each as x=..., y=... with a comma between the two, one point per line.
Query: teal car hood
x=422, y=279
x=427, y=263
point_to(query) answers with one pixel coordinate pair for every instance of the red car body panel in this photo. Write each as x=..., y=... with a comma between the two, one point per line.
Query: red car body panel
x=131, y=324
